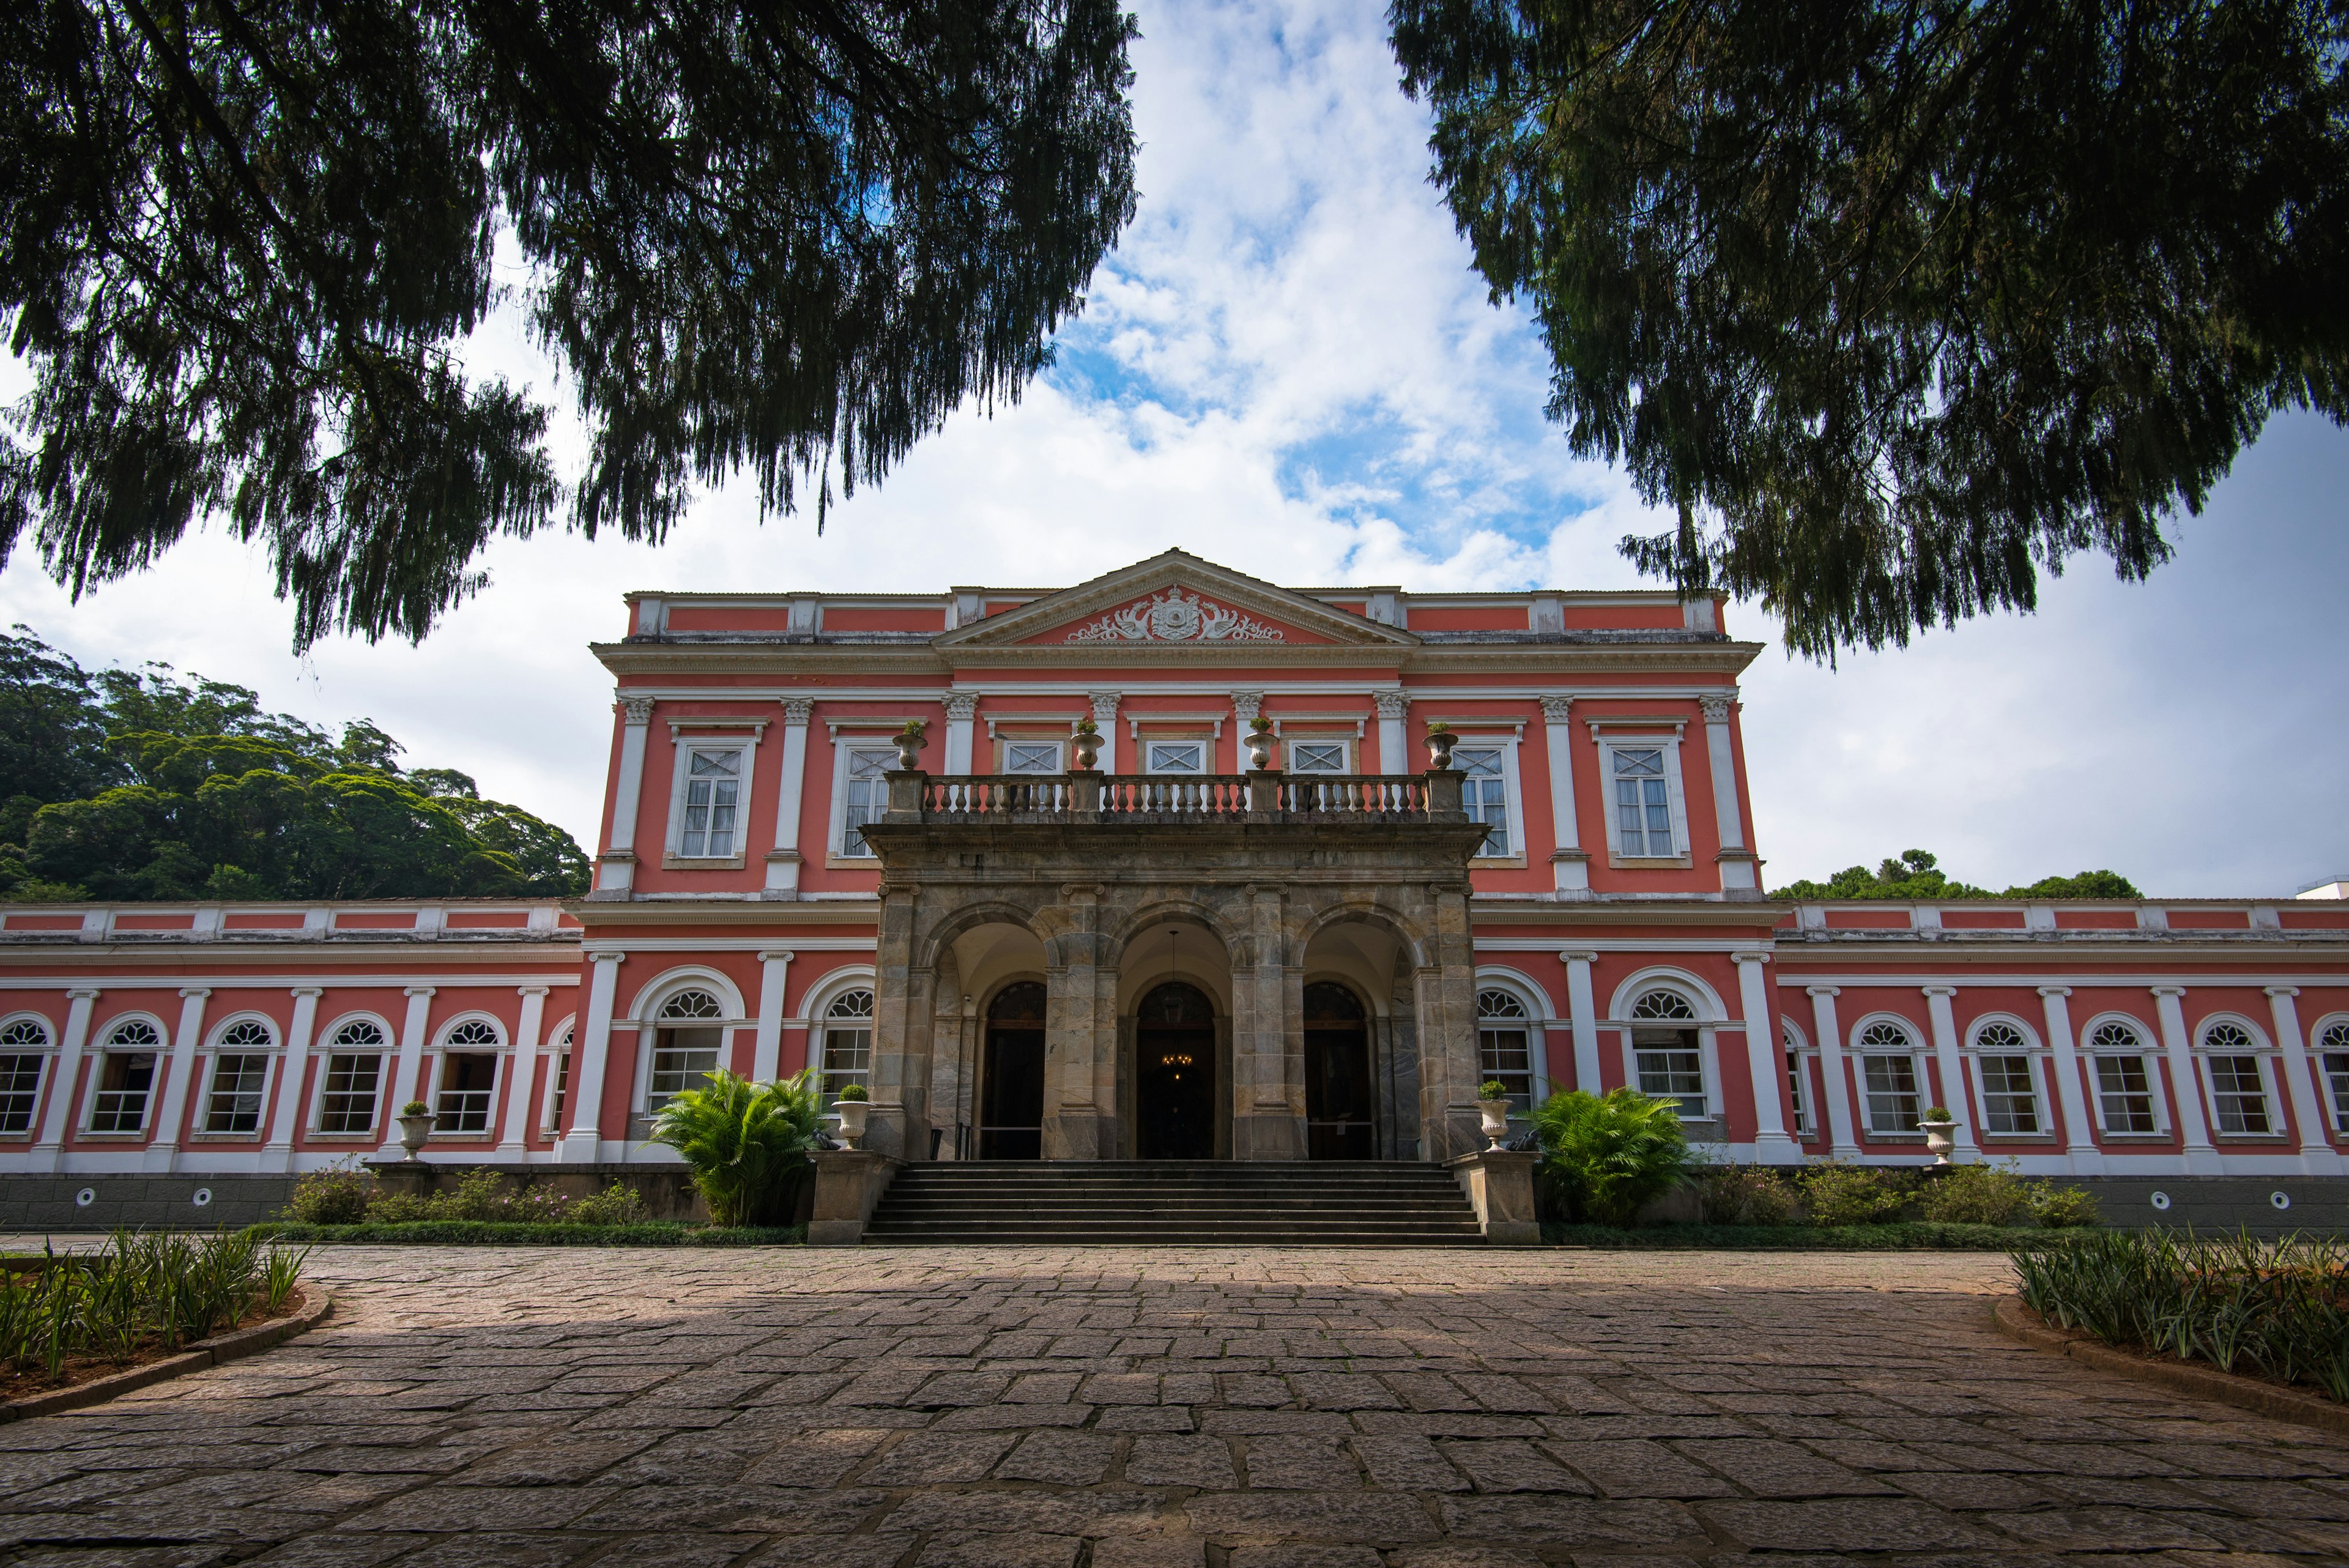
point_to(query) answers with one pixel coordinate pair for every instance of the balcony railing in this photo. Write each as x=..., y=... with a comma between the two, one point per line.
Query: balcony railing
x=1136, y=798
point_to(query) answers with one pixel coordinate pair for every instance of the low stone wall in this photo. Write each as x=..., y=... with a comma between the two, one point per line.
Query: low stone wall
x=2316, y=1203
x=152, y=1202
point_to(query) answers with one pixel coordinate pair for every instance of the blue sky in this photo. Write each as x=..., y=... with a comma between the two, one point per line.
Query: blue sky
x=1288, y=366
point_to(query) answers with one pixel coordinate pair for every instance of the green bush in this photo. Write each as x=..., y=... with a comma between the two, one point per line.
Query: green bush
x=340, y=1194
x=1839, y=1194
x=615, y=1204
x=1604, y=1158
x=1975, y=1195
x=1742, y=1195
x=746, y=1144
x=2059, y=1207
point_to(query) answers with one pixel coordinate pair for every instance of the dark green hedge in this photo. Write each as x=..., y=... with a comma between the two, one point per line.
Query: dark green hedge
x=511, y=1234
x=1902, y=1236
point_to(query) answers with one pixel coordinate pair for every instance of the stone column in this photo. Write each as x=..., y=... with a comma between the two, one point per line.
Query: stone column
x=1952, y=1067
x=65, y=1085
x=1765, y=1060
x=1841, y=1143
x=173, y=1114
x=784, y=860
x=766, y=1053
x=1105, y=704
x=616, y=866
x=1450, y=1125
x=1739, y=876
x=407, y=1084
x=2185, y=1083
x=1569, y=866
x=1267, y=1082
x=1079, y=1095
x=1582, y=1011
x=2079, y=1132
x=899, y=1120
x=1395, y=744
x=2307, y=1110
x=286, y=1121
x=522, y=1069
x=962, y=710
x=591, y=1047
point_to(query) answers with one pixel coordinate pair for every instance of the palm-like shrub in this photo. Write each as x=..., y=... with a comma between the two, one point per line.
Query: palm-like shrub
x=1604, y=1156
x=747, y=1144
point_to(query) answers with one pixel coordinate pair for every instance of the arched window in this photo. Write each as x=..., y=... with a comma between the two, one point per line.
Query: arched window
x=469, y=1077
x=126, y=1078
x=473, y=1033
x=2333, y=1045
x=1791, y=1043
x=1887, y=1059
x=240, y=1074
x=2238, y=1092
x=692, y=1005
x=1504, y=1045
x=23, y=1048
x=847, y=1050
x=684, y=1051
x=1668, y=1060
x=2009, y=1096
x=562, y=1079
x=2125, y=1102
x=354, y=1077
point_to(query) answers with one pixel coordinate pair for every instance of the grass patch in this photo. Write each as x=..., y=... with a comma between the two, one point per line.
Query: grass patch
x=1896, y=1236
x=529, y=1233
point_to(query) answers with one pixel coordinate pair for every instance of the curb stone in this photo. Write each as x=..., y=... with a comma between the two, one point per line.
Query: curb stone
x=2019, y=1323
x=204, y=1353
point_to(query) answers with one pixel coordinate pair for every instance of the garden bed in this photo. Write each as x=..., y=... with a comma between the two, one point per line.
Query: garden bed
x=529, y=1233
x=1899, y=1236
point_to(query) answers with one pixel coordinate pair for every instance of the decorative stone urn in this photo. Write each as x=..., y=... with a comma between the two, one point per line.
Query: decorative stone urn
x=1088, y=749
x=1497, y=1121
x=1259, y=745
x=909, y=743
x=852, y=1120
x=1936, y=1129
x=415, y=1131
x=1440, y=742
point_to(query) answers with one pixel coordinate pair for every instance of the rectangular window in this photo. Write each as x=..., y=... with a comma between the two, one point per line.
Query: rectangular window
x=713, y=784
x=1670, y=1068
x=234, y=1106
x=2124, y=1094
x=2010, y=1104
x=1031, y=757
x=1317, y=756
x=346, y=1103
x=2336, y=1075
x=1891, y=1093
x=2239, y=1095
x=125, y=1078
x=1486, y=794
x=467, y=1079
x=20, y=1091
x=1795, y=1093
x=1644, y=805
x=847, y=1057
x=868, y=796
x=680, y=1057
x=1503, y=1051
x=1175, y=757
x=561, y=1084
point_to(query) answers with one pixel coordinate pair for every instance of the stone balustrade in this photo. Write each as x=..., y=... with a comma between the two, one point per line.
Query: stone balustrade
x=1139, y=798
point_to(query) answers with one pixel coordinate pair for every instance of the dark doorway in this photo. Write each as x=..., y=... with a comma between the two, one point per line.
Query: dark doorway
x=1175, y=1046
x=1341, y=1109
x=1012, y=1100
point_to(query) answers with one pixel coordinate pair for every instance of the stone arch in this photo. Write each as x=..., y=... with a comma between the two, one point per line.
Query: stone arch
x=1365, y=912
x=941, y=932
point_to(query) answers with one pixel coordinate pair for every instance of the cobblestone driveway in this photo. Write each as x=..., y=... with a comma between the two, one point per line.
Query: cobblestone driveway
x=966, y=1409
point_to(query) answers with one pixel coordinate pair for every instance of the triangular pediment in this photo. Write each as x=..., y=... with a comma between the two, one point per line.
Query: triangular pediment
x=1175, y=600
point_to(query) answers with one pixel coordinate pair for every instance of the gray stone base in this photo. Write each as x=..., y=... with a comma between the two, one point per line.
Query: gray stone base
x=48, y=1202
x=2319, y=1203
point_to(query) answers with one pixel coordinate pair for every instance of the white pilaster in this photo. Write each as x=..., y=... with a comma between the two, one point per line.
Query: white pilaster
x=522, y=1070
x=173, y=1112
x=1569, y=866
x=767, y=1054
x=67, y=1079
x=1393, y=755
x=1841, y=1143
x=2307, y=1109
x=590, y=1048
x=1951, y=1066
x=2185, y=1083
x=962, y=710
x=784, y=860
x=2072, y=1100
x=1765, y=1059
x=1738, y=869
x=286, y=1119
x=1582, y=1011
x=405, y=1083
x=1105, y=704
x=616, y=871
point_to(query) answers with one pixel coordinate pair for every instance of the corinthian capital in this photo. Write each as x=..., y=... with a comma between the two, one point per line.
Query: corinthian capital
x=961, y=706
x=636, y=710
x=1391, y=704
x=1556, y=709
x=1716, y=705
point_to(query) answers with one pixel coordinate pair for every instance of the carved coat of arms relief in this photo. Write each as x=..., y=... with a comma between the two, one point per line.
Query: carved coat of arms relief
x=1176, y=617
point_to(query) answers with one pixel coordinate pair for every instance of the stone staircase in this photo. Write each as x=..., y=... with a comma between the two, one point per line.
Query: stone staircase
x=1323, y=1203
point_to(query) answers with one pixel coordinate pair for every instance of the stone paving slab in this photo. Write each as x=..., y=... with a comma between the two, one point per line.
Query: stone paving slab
x=1094, y=1407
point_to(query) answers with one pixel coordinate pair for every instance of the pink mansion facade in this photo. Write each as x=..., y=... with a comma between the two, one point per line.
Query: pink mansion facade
x=1176, y=953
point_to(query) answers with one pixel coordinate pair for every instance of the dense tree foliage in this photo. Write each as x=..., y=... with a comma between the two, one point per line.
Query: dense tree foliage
x=1914, y=873
x=242, y=247
x=1896, y=302
x=138, y=784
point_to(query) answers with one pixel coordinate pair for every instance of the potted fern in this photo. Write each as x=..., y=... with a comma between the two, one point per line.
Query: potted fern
x=1493, y=1104
x=416, y=1119
x=745, y=1144
x=853, y=1103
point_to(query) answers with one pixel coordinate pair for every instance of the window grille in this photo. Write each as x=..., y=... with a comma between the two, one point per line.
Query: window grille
x=467, y=1080
x=1669, y=1062
x=562, y=1080
x=126, y=1078
x=239, y=1075
x=1504, y=1046
x=2238, y=1091
x=347, y=1102
x=682, y=1056
x=2010, y=1099
x=847, y=1043
x=1797, y=1101
x=1025, y=758
x=1317, y=757
x=1484, y=792
x=1643, y=805
x=713, y=785
x=1176, y=757
x=20, y=1089
x=2123, y=1082
x=2335, y=1044
x=867, y=797
x=1890, y=1079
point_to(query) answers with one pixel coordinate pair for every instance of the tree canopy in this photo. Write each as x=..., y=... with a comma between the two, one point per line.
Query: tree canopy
x=242, y=248
x=136, y=784
x=1896, y=302
x=1915, y=875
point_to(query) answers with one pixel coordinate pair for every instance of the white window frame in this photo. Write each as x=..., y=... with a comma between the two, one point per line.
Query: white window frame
x=215, y=1047
x=1539, y=1021
x=1347, y=747
x=1794, y=1042
x=386, y=1053
x=650, y=1022
x=1149, y=745
x=1512, y=797
x=2034, y=1059
x=2319, y=1049
x=2261, y=1051
x=2147, y=1057
x=746, y=750
x=160, y=1051
x=1710, y=1015
x=832, y=989
x=1676, y=794
x=436, y=1070
x=844, y=745
x=1005, y=745
x=562, y=1041
x=1917, y=1074
x=43, y=1075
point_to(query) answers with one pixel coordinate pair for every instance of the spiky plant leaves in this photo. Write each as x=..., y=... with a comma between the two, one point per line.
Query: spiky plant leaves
x=1606, y=1156
x=746, y=1144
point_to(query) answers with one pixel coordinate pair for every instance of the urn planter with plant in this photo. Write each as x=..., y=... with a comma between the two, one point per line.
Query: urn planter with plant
x=745, y=1144
x=909, y=743
x=1493, y=1105
x=1260, y=741
x=1087, y=745
x=1936, y=1123
x=853, y=1103
x=416, y=1119
x=1439, y=741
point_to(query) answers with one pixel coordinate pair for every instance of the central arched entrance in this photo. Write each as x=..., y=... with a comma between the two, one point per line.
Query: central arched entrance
x=1174, y=1039
x=1011, y=1090
x=1341, y=1105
